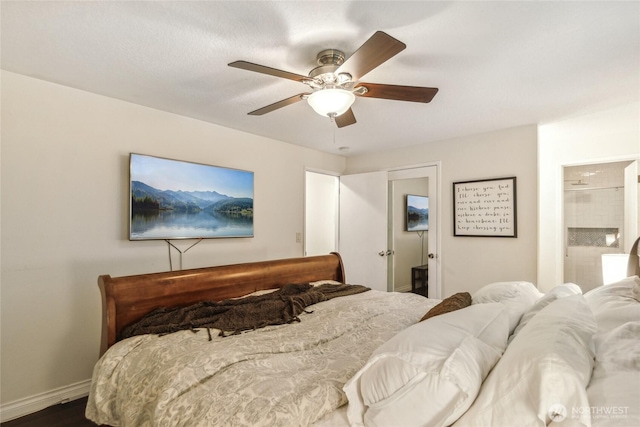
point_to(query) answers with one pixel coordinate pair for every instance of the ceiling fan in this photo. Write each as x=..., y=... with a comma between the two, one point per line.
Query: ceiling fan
x=334, y=83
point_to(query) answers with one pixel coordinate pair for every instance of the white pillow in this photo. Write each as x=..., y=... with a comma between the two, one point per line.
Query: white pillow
x=628, y=287
x=519, y=297
x=615, y=304
x=431, y=372
x=560, y=291
x=546, y=367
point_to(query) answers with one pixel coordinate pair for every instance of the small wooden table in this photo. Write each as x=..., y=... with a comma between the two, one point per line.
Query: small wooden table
x=420, y=279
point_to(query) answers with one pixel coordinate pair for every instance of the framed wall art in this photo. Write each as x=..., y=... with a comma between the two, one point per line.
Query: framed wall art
x=485, y=208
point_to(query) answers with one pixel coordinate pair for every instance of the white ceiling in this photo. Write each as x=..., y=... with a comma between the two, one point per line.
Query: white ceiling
x=497, y=64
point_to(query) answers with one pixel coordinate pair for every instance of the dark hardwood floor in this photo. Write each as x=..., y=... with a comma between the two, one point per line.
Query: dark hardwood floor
x=69, y=414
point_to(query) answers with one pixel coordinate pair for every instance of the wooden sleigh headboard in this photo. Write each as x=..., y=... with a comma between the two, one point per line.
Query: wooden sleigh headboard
x=127, y=299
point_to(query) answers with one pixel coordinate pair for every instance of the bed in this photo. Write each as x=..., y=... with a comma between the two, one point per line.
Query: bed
x=508, y=355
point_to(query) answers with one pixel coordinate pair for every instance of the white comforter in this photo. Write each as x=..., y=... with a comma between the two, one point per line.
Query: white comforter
x=281, y=375
x=614, y=390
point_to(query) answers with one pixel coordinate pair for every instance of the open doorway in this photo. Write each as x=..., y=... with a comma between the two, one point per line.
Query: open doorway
x=599, y=219
x=416, y=261
x=410, y=244
x=354, y=214
x=320, y=213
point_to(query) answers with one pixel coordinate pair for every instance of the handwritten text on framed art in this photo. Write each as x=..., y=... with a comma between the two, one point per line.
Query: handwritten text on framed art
x=485, y=208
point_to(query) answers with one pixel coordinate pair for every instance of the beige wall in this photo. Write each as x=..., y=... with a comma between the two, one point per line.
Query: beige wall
x=64, y=216
x=467, y=263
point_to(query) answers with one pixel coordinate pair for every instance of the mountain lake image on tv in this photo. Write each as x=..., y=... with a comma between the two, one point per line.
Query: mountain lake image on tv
x=417, y=213
x=172, y=199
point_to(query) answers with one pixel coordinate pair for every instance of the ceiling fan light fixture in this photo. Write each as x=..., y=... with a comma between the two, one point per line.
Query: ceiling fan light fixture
x=331, y=102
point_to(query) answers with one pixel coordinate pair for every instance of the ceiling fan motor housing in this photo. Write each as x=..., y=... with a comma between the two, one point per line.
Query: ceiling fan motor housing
x=330, y=57
x=329, y=60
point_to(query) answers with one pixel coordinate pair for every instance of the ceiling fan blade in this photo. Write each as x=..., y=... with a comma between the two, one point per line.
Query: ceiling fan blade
x=345, y=119
x=399, y=93
x=276, y=105
x=379, y=48
x=249, y=66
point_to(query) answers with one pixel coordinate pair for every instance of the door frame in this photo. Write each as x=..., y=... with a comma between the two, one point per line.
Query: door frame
x=392, y=174
x=412, y=171
x=556, y=269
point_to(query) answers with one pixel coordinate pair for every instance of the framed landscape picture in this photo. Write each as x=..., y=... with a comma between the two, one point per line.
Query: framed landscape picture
x=173, y=199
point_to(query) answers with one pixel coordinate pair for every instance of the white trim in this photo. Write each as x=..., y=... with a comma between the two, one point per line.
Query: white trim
x=414, y=166
x=414, y=171
x=29, y=405
x=322, y=171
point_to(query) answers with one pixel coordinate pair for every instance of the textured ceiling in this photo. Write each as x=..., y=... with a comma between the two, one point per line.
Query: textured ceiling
x=497, y=64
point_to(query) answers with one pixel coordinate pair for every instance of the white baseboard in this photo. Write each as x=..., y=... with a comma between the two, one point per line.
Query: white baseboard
x=35, y=403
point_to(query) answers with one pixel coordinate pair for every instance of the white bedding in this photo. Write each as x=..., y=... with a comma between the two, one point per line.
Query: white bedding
x=546, y=376
x=614, y=390
x=280, y=375
x=294, y=374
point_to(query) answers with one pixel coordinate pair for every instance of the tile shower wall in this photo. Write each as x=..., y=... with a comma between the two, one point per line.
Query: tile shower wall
x=594, y=217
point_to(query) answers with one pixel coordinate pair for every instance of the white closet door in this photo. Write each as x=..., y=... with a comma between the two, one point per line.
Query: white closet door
x=363, y=228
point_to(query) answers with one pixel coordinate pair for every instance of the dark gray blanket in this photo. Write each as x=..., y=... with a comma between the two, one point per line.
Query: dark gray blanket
x=236, y=315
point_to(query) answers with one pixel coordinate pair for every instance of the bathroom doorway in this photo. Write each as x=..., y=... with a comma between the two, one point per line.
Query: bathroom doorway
x=598, y=218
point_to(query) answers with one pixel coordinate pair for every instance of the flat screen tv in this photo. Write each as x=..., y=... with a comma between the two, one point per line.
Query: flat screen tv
x=173, y=199
x=417, y=213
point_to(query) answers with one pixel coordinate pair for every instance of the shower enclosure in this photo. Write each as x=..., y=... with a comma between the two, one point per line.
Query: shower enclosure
x=595, y=217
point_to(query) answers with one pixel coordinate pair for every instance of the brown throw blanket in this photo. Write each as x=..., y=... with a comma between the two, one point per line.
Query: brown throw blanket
x=236, y=315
